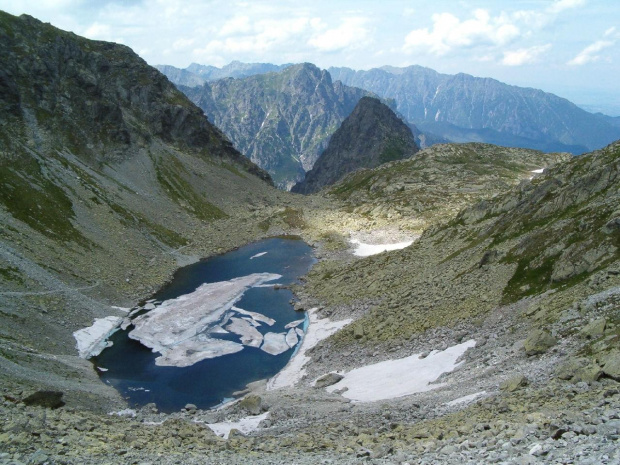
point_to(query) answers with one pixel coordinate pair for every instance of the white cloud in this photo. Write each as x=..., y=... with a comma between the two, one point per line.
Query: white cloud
x=236, y=25
x=561, y=5
x=260, y=37
x=351, y=33
x=449, y=33
x=524, y=56
x=98, y=31
x=590, y=53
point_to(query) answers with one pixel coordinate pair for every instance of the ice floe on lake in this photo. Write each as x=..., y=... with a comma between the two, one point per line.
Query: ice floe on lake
x=250, y=336
x=255, y=315
x=275, y=343
x=258, y=255
x=402, y=377
x=91, y=341
x=179, y=329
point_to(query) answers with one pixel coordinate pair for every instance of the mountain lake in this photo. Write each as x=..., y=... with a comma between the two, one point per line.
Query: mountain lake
x=251, y=334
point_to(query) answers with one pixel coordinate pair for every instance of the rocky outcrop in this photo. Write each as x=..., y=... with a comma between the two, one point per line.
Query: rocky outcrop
x=370, y=136
x=281, y=121
x=465, y=108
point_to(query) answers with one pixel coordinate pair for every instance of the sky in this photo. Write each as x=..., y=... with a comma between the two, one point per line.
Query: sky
x=567, y=47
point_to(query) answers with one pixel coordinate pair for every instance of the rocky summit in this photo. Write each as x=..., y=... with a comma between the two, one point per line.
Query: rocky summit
x=480, y=325
x=370, y=136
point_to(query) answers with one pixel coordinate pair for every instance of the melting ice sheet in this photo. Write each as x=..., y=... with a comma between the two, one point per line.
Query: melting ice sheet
x=180, y=329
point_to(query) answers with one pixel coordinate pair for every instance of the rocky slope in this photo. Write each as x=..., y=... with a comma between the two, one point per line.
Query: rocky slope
x=370, y=136
x=438, y=182
x=463, y=108
x=196, y=74
x=109, y=178
x=281, y=121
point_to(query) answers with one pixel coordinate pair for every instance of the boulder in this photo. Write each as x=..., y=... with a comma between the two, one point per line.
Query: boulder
x=252, y=404
x=327, y=380
x=514, y=383
x=611, y=364
x=47, y=399
x=594, y=329
x=538, y=342
x=579, y=370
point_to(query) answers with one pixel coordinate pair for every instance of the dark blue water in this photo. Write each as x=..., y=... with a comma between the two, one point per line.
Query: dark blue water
x=131, y=367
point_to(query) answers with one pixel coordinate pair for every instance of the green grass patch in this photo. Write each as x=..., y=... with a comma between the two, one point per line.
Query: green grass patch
x=172, y=176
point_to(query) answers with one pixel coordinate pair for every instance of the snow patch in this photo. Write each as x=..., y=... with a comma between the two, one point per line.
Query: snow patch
x=91, y=341
x=539, y=171
x=318, y=329
x=245, y=425
x=402, y=377
x=365, y=250
x=465, y=399
x=128, y=412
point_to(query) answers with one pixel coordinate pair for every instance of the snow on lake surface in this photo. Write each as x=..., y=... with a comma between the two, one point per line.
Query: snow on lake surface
x=258, y=255
x=365, y=250
x=92, y=340
x=318, y=329
x=402, y=377
x=245, y=425
x=176, y=329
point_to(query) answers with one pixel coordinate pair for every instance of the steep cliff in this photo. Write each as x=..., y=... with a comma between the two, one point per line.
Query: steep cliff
x=370, y=136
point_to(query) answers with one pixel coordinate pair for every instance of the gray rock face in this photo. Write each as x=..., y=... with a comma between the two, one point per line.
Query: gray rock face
x=370, y=136
x=281, y=121
x=466, y=108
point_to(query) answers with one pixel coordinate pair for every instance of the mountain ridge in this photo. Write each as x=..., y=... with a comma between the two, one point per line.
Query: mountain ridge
x=426, y=96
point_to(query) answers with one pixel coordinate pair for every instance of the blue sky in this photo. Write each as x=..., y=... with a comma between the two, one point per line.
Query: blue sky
x=568, y=47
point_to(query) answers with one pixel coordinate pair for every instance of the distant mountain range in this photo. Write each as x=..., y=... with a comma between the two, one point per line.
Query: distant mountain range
x=438, y=107
x=197, y=75
x=464, y=108
x=282, y=121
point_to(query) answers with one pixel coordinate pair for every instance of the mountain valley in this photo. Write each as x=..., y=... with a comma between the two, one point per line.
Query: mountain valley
x=491, y=334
